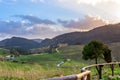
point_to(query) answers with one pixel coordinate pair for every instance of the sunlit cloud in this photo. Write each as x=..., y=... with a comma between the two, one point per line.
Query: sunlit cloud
x=34, y=27
x=91, y=2
x=53, y=21
x=107, y=9
x=87, y=23
x=43, y=30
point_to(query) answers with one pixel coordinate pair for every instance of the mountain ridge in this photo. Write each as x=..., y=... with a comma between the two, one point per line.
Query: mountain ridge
x=19, y=43
x=107, y=34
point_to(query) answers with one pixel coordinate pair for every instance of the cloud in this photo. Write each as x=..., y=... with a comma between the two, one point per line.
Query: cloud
x=45, y=31
x=90, y=2
x=34, y=27
x=9, y=26
x=89, y=22
x=35, y=20
x=107, y=9
x=4, y=36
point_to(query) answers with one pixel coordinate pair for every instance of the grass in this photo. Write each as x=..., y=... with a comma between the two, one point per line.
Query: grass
x=42, y=66
x=4, y=52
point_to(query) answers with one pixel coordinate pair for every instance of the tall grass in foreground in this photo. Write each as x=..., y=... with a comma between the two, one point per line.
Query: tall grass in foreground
x=106, y=73
x=33, y=71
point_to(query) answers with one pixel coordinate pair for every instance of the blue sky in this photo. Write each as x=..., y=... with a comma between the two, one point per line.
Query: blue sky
x=49, y=18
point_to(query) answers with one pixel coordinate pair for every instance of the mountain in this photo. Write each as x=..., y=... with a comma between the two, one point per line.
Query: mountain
x=37, y=40
x=19, y=43
x=107, y=34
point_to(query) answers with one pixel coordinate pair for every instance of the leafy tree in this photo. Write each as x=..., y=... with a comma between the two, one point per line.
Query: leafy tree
x=107, y=54
x=95, y=50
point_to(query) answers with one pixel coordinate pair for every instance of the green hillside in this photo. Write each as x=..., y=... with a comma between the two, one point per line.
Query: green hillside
x=115, y=47
x=41, y=66
x=4, y=52
x=44, y=65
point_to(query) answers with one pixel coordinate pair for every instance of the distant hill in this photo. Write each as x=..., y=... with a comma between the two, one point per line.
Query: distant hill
x=19, y=43
x=107, y=34
x=37, y=40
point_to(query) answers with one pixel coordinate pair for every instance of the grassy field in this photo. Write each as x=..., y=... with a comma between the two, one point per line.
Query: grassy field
x=42, y=66
x=4, y=52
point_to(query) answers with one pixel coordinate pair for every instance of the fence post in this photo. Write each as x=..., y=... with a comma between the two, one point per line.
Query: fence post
x=88, y=77
x=100, y=71
x=85, y=75
x=83, y=70
x=112, y=68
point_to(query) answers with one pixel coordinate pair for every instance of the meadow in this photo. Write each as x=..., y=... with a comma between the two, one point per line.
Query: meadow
x=44, y=66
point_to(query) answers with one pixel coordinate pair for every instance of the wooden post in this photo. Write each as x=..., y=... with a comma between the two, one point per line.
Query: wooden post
x=84, y=76
x=100, y=71
x=83, y=70
x=88, y=77
x=112, y=68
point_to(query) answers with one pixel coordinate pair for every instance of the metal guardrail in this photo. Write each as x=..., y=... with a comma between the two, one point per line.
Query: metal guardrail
x=85, y=73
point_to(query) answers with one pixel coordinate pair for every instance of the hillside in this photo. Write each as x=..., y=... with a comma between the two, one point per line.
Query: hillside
x=42, y=66
x=115, y=47
x=107, y=34
x=19, y=43
x=37, y=40
x=75, y=51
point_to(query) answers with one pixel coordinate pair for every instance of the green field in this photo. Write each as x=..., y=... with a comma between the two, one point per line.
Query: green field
x=40, y=66
x=43, y=66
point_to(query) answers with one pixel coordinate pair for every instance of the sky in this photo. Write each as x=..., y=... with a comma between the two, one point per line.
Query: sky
x=48, y=18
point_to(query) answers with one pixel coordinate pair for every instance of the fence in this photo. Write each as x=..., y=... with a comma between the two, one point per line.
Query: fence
x=85, y=73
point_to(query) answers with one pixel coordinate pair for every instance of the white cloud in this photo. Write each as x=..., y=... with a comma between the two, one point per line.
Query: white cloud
x=107, y=9
x=25, y=29
x=45, y=31
x=91, y=2
x=4, y=36
x=89, y=22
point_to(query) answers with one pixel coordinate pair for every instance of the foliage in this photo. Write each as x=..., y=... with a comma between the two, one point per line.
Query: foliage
x=39, y=66
x=107, y=54
x=4, y=51
x=95, y=50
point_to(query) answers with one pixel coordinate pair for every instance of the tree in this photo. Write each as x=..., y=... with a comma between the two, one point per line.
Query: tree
x=107, y=54
x=95, y=50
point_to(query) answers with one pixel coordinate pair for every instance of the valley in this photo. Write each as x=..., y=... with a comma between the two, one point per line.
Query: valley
x=43, y=66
